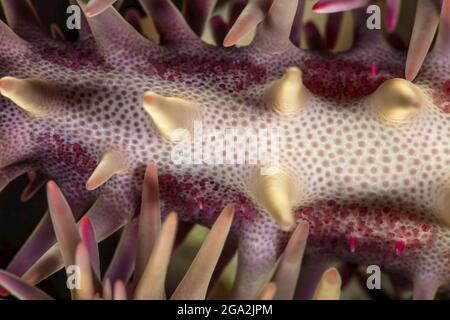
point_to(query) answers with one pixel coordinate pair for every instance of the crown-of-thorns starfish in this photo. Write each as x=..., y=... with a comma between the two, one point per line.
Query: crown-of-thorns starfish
x=364, y=154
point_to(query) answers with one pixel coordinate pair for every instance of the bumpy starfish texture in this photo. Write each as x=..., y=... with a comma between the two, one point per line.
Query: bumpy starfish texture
x=364, y=157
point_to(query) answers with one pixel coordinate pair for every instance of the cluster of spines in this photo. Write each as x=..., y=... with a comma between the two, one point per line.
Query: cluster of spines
x=148, y=260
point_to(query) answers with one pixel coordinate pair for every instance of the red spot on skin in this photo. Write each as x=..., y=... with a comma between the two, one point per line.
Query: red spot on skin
x=75, y=59
x=345, y=80
x=71, y=154
x=441, y=97
x=352, y=244
x=399, y=246
x=199, y=200
x=374, y=70
x=446, y=88
x=308, y=211
x=225, y=73
x=371, y=233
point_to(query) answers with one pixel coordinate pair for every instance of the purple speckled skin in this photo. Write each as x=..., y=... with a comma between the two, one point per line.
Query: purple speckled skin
x=363, y=181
